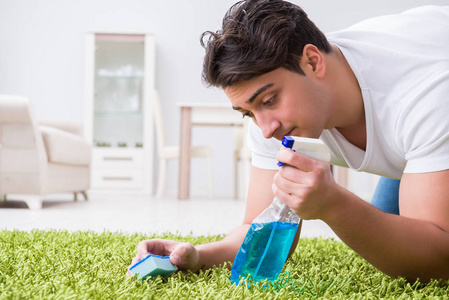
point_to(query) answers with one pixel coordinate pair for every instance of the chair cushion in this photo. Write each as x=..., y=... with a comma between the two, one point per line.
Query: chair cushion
x=65, y=148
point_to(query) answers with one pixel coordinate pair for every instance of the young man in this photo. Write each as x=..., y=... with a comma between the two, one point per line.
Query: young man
x=376, y=93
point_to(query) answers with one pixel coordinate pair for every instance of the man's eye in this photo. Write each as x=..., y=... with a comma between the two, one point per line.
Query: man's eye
x=269, y=101
x=247, y=114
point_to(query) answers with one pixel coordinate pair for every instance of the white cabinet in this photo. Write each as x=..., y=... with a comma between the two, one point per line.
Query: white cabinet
x=120, y=70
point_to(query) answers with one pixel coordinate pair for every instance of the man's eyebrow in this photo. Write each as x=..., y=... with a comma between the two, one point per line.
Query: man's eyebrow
x=254, y=96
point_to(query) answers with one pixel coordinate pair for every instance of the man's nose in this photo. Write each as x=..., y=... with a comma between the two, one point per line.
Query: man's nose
x=267, y=124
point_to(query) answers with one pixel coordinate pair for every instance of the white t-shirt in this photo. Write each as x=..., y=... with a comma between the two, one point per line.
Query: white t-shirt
x=402, y=66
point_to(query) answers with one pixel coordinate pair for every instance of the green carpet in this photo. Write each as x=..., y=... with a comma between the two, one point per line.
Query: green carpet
x=87, y=265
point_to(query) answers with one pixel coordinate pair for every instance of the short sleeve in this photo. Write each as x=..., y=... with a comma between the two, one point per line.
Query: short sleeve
x=263, y=150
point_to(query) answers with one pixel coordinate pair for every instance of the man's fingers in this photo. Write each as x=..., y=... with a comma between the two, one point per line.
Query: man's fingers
x=295, y=159
x=177, y=251
x=155, y=246
x=180, y=253
x=175, y=259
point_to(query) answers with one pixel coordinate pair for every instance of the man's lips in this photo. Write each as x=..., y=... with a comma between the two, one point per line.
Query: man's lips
x=282, y=136
x=288, y=133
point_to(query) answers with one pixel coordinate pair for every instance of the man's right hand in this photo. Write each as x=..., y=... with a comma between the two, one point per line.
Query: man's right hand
x=183, y=255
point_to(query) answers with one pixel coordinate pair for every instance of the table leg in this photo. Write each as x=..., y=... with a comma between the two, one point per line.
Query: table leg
x=184, y=155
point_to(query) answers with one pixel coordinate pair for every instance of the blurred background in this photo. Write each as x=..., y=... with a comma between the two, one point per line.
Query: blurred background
x=42, y=57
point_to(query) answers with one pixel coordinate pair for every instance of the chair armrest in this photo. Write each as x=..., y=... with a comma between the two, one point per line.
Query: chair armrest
x=65, y=148
x=68, y=126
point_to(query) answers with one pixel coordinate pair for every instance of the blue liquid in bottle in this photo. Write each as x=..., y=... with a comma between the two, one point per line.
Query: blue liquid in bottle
x=264, y=251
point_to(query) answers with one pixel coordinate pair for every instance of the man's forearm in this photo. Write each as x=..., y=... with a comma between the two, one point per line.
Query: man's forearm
x=217, y=253
x=396, y=245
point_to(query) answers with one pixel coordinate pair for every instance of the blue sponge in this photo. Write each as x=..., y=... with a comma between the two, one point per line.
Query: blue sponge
x=153, y=265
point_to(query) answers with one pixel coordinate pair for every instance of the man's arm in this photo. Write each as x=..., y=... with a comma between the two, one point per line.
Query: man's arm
x=187, y=257
x=259, y=198
x=414, y=244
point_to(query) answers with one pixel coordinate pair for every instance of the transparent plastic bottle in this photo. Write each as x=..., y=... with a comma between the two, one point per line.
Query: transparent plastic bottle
x=266, y=245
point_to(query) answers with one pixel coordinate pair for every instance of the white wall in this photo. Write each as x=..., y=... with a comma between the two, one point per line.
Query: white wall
x=42, y=55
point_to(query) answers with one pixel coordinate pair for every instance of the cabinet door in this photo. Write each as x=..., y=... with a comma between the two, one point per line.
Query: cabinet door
x=120, y=76
x=118, y=90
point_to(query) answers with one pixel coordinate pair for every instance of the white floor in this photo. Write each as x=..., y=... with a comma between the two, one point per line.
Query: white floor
x=136, y=214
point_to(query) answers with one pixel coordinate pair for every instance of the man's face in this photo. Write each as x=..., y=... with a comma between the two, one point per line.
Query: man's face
x=283, y=103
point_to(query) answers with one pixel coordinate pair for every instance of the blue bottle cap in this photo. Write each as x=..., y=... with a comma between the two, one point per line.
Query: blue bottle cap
x=288, y=141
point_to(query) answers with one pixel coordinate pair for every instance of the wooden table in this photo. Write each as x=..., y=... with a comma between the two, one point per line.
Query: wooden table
x=200, y=114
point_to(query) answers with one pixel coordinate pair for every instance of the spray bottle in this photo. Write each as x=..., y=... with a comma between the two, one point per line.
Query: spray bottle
x=266, y=245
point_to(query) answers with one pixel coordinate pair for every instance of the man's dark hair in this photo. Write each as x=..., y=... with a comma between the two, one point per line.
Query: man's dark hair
x=258, y=36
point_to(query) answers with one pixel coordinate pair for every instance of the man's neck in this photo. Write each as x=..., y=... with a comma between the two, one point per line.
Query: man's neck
x=349, y=108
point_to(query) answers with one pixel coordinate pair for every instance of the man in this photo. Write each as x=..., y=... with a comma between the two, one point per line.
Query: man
x=375, y=93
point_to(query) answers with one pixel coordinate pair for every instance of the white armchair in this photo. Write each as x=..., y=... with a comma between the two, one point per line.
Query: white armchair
x=39, y=159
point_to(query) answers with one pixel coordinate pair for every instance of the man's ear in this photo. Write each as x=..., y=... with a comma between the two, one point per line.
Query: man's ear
x=312, y=60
